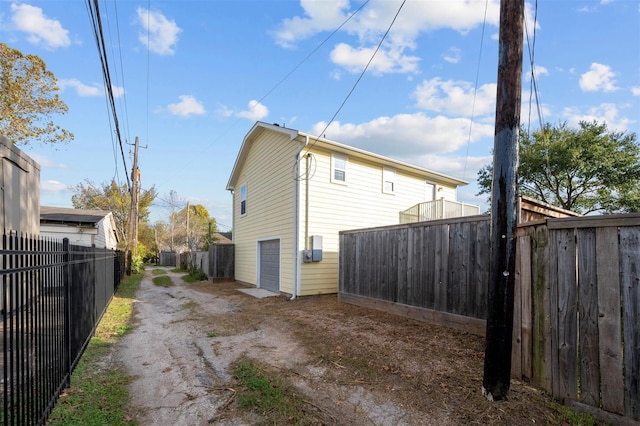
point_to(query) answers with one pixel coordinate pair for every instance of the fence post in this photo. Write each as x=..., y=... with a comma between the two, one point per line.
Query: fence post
x=66, y=273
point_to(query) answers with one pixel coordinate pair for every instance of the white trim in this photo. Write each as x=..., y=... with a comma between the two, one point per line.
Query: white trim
x=243, y=188
x=388, y=176
x=344, y=169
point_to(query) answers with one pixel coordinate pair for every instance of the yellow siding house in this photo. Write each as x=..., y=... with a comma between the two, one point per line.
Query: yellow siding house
x=293, y=193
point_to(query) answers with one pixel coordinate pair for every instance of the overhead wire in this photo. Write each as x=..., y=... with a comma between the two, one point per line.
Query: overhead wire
x=96, y=23
x=124, y=91
x=531, y=43
x=353, y=88
x=475, y=89
x=298, y=65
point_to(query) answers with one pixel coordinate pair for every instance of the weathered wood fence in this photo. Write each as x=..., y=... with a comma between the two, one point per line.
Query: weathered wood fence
x=432, y=271
x=577, y=312
x=221, y=261
x=577, y=296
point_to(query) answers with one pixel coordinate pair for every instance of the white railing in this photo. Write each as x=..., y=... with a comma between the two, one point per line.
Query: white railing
x=438, y=209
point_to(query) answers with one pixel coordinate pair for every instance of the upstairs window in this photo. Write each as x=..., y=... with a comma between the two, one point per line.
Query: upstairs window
x=338, y=169
x=243, y=200
x=388, y=180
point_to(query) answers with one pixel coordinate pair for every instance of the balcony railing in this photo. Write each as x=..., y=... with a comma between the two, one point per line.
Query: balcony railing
x=438, y=209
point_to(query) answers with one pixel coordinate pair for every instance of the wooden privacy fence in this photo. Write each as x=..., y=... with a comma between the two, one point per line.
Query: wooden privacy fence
x=432, y=271
x=577, y=295
x=577, y=311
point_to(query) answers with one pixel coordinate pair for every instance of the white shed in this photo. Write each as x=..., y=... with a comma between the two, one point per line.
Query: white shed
x=81, y=227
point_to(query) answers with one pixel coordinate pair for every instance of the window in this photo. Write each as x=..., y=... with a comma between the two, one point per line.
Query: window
x=388, y=180
x=243, y=200
x=338, y=169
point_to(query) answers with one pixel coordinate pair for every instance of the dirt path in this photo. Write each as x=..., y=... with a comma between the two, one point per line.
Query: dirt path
x=354, y=366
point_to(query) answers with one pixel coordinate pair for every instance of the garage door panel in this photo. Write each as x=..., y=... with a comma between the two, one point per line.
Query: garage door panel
x=270, y=265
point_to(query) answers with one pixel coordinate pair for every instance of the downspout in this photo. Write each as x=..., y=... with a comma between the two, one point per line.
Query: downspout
x=295, y=288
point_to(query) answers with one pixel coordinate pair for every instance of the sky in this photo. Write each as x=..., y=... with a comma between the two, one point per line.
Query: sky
x=190, y=78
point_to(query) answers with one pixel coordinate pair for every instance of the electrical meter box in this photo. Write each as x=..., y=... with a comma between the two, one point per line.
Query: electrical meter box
x=315, y=254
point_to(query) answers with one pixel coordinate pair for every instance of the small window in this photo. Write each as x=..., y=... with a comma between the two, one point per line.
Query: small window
x=243, y=200
x=338, y=169
x=388, y=180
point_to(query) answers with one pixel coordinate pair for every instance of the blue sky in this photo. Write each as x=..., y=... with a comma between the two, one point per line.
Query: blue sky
x=192, y=77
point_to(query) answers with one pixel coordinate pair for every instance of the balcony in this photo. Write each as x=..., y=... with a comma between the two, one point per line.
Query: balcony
x=438, y=209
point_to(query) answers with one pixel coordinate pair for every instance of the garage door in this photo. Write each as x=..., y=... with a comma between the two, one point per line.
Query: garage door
x=270, y=265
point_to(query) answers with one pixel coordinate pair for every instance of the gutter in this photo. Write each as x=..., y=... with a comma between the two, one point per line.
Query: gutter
x=295, y=288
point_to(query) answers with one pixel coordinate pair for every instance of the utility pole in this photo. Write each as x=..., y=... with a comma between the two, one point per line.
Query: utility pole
x=504, y=203
x=188, y=246
x=132, y=241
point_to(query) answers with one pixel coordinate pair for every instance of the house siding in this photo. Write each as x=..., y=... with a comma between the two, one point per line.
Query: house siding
x=361, y=203
x=268, y=173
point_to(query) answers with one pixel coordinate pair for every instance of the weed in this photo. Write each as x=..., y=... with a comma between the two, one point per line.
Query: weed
x=162, y=281
x=212, y=334
x=269, y=396
x=572, y=418
x=195, y=275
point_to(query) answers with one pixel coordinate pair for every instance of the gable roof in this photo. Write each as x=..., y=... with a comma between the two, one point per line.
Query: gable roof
x=64, y=215
x=260, y=127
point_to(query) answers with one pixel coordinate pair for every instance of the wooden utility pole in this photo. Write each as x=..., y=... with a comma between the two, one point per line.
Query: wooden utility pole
x=132, y=241
x=504, y=203
x=188, y=246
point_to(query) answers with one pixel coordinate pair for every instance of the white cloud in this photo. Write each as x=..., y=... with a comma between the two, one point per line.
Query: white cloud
x=538, y=70
x=405, y=136
x=599, y=78
x=160, y=34
x=256, y=111
x=385, y=61
x=320, y=16
x=53, y=186
x=84, y=90
x=117, y=91
x=41, y=30
x=369, y=25
x=80, y=88
x=635, y=90
x=603, y=113
x=187, y=106
x=455, y=97
x=453, y=55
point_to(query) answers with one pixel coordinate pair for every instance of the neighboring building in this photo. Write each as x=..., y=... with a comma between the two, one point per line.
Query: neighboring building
x=81, y=227
x=222, y=238
x=20, y=184
x=293, y=192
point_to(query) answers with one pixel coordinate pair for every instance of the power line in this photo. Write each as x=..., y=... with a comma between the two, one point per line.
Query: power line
x=475, y=89
x=353, y=88
x=297, y=66
x=96, y=23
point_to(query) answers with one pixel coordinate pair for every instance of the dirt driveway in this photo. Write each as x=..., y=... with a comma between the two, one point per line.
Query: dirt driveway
x=354, y=366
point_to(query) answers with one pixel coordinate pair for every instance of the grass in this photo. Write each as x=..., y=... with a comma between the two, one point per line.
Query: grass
x=194, y=276
x=269, y=396
x=572, y=418
x=157, y=271
x=162, y=281
x=99, y=391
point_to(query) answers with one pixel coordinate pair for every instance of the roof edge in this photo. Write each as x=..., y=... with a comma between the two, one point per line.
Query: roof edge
x=246, y=143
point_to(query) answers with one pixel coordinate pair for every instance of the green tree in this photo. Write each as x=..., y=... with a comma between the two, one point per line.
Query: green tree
x=28, y=98
x=589, y=169
x=198, y=234
x=116, y=199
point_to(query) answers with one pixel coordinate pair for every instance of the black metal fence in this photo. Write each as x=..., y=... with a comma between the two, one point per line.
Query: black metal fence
x=53, y=296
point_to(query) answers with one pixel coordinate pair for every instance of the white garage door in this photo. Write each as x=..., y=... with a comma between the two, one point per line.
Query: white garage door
x=269, y=252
